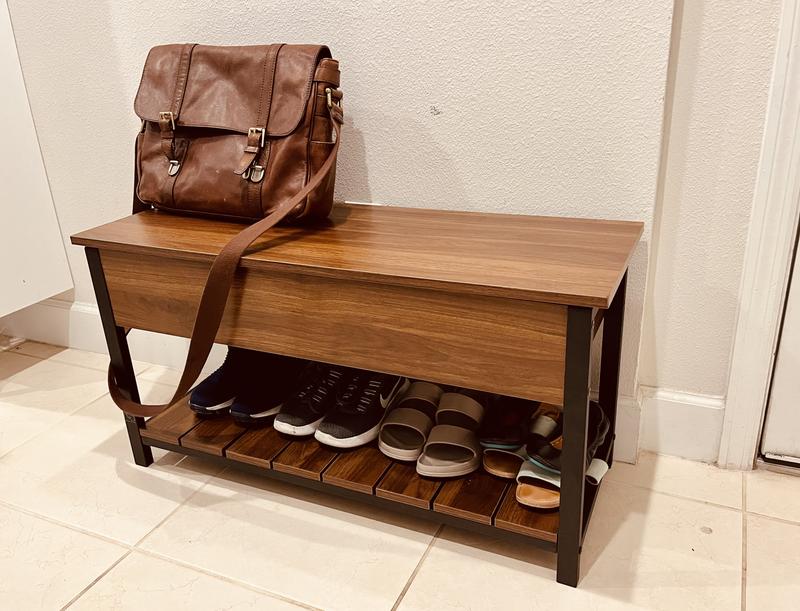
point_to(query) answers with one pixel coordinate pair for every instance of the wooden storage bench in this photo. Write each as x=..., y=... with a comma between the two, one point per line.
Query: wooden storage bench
x=500, y=303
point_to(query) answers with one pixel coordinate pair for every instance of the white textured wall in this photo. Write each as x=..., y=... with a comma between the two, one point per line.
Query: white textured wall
x=547, y=107
x=719, y=101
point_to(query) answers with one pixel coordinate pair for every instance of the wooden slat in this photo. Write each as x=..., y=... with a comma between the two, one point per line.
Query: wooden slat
x=402, y=483
x=358, y=470
x=541, y=524
x=305, y=457
x=171, y=424
x=549, y=259
x=474, y=497
x=213, y=435
x=257, y=447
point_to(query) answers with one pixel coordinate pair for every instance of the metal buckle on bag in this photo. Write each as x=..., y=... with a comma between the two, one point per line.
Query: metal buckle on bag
x=257, y=131
x=174, y=167
x=168, y=116
x=329, y=96
x=256, y=173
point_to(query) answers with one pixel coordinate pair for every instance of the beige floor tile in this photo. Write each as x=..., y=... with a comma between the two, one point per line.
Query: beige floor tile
x=44, y=565
x=643, y=550
x=81, y=472
x=773, y=494
x=687, y=478
x=71, y=356
x=36, y=394
x=306, y=546
x=145, y=582
x=773, y=564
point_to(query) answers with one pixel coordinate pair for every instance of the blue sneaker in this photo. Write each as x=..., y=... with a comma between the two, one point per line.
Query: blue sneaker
x=214, y=395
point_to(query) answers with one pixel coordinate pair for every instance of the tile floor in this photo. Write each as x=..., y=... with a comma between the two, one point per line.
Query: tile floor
x=82, y=527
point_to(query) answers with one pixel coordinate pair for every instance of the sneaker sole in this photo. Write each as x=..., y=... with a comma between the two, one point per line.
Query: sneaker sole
x=211, y=410
x=258, y=418
x=367, y=436
x=297, y=431
x=348, y=442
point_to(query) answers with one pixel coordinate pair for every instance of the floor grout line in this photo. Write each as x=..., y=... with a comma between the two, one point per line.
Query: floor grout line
x=63, y=524
x=417, y=568
x=774, y=518
x=232, y=580
x=95, y=580
x=675, y=496
x=171, y=513
x=96, y=535
x=744, y=543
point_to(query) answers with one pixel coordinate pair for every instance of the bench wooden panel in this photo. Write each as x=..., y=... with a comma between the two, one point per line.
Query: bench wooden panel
x=488, y=343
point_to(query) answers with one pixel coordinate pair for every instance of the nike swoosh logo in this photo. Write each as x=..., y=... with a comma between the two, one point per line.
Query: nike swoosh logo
x=385, y=401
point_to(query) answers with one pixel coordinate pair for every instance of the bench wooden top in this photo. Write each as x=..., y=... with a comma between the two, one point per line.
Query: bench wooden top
x=549, y=259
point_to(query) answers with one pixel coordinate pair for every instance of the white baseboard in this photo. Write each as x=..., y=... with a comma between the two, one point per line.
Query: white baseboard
x=629, y=418
x=681, y=424
x=77, y=325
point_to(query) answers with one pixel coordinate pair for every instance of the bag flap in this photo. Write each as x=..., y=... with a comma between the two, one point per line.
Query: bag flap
x=224, y=85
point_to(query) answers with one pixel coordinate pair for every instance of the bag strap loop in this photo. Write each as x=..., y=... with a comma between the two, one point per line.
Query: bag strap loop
x=219, y=282
x=257, y=136
x=168, y=118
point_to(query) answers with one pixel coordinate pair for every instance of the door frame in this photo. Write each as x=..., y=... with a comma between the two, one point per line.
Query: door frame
x=768, y=255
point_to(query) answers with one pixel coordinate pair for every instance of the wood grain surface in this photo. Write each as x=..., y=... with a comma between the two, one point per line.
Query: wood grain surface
x=402, y=484
x=171, y=424
x=556, y=260
x=304, y=457
x=360, y=469
x=257, y=447
x=213, y=435
x=488, y=343
x=474, y=497
x=541, y=524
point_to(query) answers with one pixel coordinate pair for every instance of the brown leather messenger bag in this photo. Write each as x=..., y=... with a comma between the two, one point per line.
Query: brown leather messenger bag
x=241, y=133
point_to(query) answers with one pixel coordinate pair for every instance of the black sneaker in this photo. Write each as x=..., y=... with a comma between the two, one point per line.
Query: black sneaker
x=356, y=418
x=261, y=395
x=301, y=413
x=214, y=395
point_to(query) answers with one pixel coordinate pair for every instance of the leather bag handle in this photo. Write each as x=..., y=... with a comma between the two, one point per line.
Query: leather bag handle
x=219, y=282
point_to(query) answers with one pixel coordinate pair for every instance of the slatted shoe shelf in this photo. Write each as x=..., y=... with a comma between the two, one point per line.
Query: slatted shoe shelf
x=500, y=303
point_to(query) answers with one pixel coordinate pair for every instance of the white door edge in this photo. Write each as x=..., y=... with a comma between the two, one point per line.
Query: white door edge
x=770, y=243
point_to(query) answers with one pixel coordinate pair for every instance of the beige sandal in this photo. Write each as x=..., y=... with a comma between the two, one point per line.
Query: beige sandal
x=451, y=451
x=452, y=448
x=405, y=428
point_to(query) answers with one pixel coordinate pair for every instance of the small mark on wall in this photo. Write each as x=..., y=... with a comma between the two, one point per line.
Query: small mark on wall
x=435, y=111
x=706, y=530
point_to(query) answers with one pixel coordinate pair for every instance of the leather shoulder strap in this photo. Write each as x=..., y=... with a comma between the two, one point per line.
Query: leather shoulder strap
x=218, y=285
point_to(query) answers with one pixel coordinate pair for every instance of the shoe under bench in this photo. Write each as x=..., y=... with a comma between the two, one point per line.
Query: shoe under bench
x=501, y=303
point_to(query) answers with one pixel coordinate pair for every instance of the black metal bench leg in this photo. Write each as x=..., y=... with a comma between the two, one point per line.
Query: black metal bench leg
x=573, y=457
x=610, y=360
x=120, y=357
